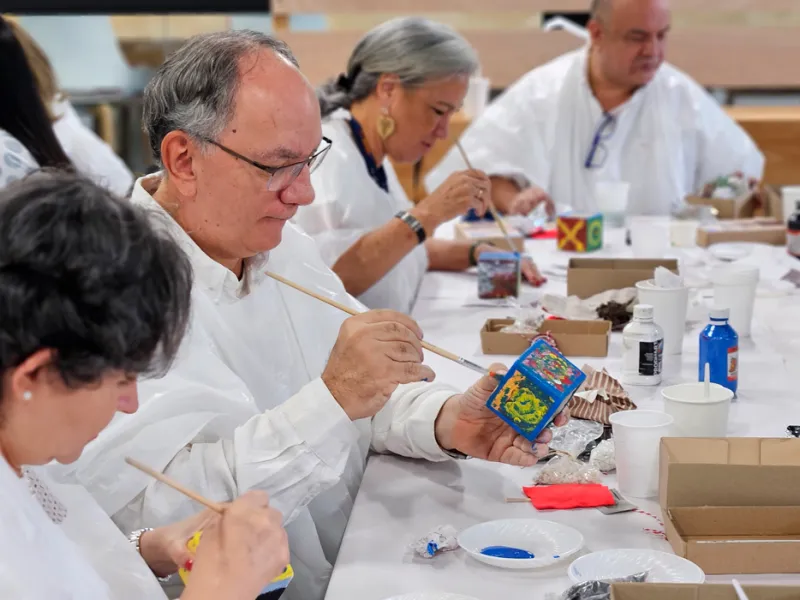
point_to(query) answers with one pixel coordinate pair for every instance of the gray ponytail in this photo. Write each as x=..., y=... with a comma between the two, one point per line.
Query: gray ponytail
x=416, y=50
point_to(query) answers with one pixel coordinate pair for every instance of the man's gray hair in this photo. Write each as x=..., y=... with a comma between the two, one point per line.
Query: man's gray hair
x=195, y=88
x=417, y=50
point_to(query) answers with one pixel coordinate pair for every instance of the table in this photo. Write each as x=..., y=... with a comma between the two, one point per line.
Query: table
x=401, y=500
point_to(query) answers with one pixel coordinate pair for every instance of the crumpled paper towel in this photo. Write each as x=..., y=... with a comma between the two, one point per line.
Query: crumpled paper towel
x=666, y=279
x=603, y=458
x=441, y=539
x=574, y=308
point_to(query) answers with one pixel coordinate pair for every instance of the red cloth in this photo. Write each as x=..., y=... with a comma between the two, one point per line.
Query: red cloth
x=542, y=234
x=569, y=495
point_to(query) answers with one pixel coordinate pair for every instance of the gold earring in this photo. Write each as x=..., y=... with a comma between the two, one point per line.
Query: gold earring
x=386, y=125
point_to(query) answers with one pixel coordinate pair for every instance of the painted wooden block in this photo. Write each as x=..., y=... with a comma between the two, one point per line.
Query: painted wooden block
x=499, y=274
x=533, y=392
x=580, y=232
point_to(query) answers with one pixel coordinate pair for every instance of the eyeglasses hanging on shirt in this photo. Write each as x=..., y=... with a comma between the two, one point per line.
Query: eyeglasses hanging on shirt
x=598, y=152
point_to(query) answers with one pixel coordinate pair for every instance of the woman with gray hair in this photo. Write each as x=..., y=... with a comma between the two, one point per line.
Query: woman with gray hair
x=404, y=81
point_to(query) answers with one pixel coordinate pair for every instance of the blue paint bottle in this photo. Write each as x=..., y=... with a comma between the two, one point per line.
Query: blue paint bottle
x=719, y=347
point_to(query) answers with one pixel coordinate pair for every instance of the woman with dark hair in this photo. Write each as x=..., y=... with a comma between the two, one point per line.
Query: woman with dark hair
x=27, y=139
x=91, y=296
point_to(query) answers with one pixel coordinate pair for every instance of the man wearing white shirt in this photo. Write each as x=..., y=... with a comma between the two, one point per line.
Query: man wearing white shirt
x=611, y=111
x=273, y=389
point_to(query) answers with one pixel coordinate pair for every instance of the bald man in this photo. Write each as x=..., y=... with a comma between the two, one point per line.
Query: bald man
x=611, y=111
x=273, y=390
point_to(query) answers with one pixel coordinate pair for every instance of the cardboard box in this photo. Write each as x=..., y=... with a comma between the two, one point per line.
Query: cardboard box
x=589, y=276
x=732, y=505
x=763, y=230
x=673, y=591
x=744, y=207
x=490, y=233
x=573, y=338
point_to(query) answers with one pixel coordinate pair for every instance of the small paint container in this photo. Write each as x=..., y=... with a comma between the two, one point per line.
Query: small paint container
x=499, y=274
x=273, y=591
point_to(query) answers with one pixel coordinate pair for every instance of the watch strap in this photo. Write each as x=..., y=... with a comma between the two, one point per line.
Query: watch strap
x=410, y=220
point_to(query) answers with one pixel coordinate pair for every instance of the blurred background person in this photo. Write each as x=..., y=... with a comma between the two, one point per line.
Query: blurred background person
x=88, y=153
x=611, y=111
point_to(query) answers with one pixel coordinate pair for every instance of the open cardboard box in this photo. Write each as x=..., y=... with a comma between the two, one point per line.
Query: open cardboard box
x=490, y=233
x=573, y=338
x=672, y=591
x=732, y=505
x=589, y=276
x=744, y=207
x=760, y=230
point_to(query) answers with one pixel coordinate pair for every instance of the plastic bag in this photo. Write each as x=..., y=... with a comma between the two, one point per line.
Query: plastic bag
x=441, y=539
x=603, y=458
x=566, y=469
x=575, y=436
x=527, y=321
x=599, y=590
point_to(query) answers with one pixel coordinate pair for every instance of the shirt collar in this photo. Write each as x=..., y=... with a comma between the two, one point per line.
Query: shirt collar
x=219, y=281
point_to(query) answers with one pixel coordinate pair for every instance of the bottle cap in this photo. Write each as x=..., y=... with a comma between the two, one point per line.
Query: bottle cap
x=643, y=312
x=719, y=314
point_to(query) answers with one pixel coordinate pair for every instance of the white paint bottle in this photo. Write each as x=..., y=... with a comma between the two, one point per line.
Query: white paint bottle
x=643, y=348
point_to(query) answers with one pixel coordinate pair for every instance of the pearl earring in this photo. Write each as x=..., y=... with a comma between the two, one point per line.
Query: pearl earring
x=27, y=395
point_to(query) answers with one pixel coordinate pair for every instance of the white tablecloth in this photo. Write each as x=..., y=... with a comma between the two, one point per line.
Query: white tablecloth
x=401, y=500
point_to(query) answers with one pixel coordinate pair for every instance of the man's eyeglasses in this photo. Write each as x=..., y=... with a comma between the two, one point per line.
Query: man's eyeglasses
x=281, y=178
x=598, y=153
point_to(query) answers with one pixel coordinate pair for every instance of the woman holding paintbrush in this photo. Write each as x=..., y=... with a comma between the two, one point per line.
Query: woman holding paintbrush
x=403, y=82
x=90, y=297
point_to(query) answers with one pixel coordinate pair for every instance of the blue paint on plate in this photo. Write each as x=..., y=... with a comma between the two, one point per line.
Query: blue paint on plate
x=506, y=552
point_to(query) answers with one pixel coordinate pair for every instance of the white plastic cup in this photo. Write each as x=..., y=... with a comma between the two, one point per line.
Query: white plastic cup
x=669, y=311
x=791, y=196
x=683, y=233
x=477, y=97
x=649, y=236
x=694, y=414
x=637, y=436
x=735, y=288
x=611, y=198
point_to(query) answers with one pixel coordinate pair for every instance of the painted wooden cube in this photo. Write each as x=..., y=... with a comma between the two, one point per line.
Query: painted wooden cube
x=580, y=232
x=499, y=274
x=535, y=389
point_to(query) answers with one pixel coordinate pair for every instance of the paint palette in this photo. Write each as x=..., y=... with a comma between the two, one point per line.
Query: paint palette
x=533, y=392
x=520, y=543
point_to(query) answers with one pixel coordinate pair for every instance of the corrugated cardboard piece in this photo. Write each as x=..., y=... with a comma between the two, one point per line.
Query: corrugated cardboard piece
x=671, y=591
x=732, y=505
x=589, y=276
x=759, y=230
x=573, y=338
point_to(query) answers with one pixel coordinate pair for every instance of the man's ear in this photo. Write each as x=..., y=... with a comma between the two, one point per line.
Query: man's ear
x=178, y=151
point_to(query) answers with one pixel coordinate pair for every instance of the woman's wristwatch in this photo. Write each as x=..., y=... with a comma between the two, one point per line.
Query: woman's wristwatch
x=410, y=220
x=135, y=538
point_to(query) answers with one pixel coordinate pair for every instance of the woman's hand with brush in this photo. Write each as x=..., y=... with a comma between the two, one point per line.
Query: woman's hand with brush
x=466, y=425
x=375, y=352
x=240, y=552
x=454, y=197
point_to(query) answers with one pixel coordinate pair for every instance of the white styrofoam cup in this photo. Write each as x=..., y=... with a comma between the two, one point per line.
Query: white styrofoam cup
x=637, y=437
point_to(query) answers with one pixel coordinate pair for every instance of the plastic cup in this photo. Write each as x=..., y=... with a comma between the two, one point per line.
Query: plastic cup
x=649, y=236
x=694, y=414
x=791, y=198
x=669, y=311
x=735, y=288
x=477, y=97
x=611, y=198
x=683, y=233
x=637, y=436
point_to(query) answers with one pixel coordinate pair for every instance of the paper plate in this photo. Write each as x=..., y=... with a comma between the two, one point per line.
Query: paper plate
x=549, y=542
x=615, y=564
x=731, y=251
x=431, y=596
